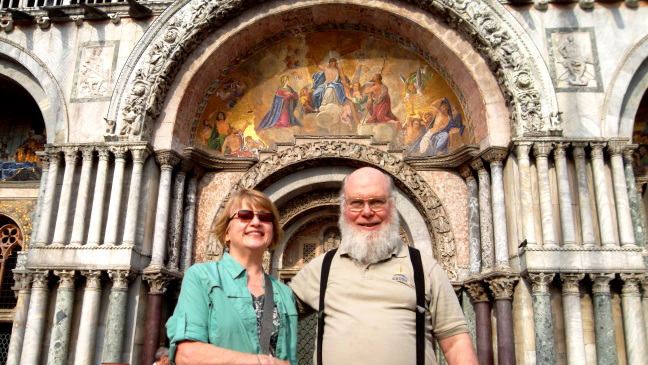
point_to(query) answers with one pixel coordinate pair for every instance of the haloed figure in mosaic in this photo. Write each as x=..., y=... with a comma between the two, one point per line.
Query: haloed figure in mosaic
x=230, y=311
x=370, y=303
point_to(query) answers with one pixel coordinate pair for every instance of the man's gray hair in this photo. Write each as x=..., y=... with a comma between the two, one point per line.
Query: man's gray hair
x=390, y=188
x=161, y=352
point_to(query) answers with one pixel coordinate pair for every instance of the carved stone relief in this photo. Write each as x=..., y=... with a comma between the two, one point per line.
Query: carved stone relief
x=574, y=59
x=94, y=72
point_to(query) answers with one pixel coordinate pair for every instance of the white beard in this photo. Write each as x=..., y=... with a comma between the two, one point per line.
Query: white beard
x=374, y=246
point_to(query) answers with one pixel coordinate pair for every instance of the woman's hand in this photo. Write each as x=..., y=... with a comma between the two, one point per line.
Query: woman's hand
x=269, y=360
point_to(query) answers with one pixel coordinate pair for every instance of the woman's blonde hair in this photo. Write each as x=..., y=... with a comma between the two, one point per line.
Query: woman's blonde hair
x=255, y=200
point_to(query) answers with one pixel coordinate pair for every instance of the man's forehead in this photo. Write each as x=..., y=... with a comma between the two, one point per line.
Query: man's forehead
x=368, y=179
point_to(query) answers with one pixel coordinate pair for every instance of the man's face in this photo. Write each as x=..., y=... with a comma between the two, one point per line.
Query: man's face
x=367, y=183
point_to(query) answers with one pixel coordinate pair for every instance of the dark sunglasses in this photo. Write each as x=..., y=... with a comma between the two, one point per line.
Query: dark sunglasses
x=248, y=215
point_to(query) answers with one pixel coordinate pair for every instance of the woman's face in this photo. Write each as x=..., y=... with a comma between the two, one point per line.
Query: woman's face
x=249, y=234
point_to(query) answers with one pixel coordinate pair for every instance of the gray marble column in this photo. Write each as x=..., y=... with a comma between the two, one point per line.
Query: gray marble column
x=96, y=216
x=564, y=196
x=35, y=327
x=177, y=205
x=644, y=301
x=485, y=215
x=586, y=219
x=542, y=319
x=624, y=217
x=114, y=206
x=473, y=220
x=189, y=225
x=60, y=339
x=132, y=211
x=603, y=207
x=633, y=324
x=60, y=230
x=606, y=348
x=45, y=223
x=23, y=285
x=526, y=194
x=90, y=308
x=36, y=216
x=541, y=151
x=633, y=197
x=78, y=230
x=166, y=159
x=495, y=156
x=573, y=319
x=640, y=186
x=117, y=312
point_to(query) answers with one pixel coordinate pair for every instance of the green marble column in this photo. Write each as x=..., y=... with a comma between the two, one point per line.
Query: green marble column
x=60, y=342
x=606, y=351
x=542, y=319
x=633, y=197
x=117, y=311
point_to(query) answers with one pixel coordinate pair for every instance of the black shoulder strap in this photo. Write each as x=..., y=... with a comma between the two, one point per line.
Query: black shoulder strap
x=419, y=283
x=326, y=266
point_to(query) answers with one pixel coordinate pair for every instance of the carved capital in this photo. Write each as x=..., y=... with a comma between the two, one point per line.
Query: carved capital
x=186, y=166
x=167, y=158
x=628, y=152
x=522, y=150
x=71, y=155
x=540, y=282
x=66, y=279
x=40, y=279
x=158, y=282
x=54, y=157
x=44, y=159
x=615, y=148
x=478, y=164
x=466, y=172
x=477, y=291
x=104, y=154
x=139, y=154
x=502, y=287
x=630, y=284
x=93, y=279
x=121, y=278
x=119, y=152
x=571, y=283
x=597, y=149
x=601, y=283
x=495, y=155
x=559, y=150
x=542, y=149
x=87, y=153
x=578, y=149
x=22, y=281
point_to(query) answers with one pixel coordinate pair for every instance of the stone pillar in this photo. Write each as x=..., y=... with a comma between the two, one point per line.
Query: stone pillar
x=473, y=220
x=541, y=151
x=495, y=156
x=34, y=329
x=132, y=211
x=60, y=339
x=158, y=283
x=71, y=159
x=644, y=302
x=177, y=205
x=483, y=323
x=564, y=196
x=117, y=312
x=502, y=289
x=96, y=217
x=23, y=286
x=89, y=317
x=36, y=216
x=606, y=347
x=526, y=195
x=542, y=319
x=633, y=197
x=485, y=215
x=624, y=217
x=603, y=207
x=114, y=207
x=78, y=230
x=189, y=225
x=166, y=159
x=573, y=318
x=633, y=324
x=586, y=219
x=642, y=211
x=48, y=200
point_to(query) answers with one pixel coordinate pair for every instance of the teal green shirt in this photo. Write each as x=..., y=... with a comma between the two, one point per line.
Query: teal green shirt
x=215, y=306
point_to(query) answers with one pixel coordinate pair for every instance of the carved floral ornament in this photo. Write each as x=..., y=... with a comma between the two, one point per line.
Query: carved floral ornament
x=480, y=22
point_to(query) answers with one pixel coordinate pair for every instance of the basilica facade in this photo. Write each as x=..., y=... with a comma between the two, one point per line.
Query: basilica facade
x=516, y=133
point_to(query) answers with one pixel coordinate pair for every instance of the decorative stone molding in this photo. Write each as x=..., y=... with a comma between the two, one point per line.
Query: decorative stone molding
x=597, y=149
x=495, y=155
x=298, y=206
x=601, y=283
x=167, y=158
x=540, y=282
x=617, y=146
x=571, y=283
x=66, y=279
x=158, y=282
x=217, y=163
x=630, y=284
x=477, y=291
x=40, y=279
x=121, y=278
x=502, y=287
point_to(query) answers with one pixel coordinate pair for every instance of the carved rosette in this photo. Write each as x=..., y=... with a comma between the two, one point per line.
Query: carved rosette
x=157, y=282
x=540, y=282
x=502, y=287
x=601, y=283
x=477, y=291
x=93, y=279
x=571, y=283
x=630, y=284
x=120, y=279
x=66, y=279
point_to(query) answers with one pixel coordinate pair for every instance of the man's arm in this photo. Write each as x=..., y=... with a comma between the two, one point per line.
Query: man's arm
x=458, y=350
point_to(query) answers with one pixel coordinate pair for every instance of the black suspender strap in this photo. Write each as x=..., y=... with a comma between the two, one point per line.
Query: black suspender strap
x=326, y=266
x=268, y=314
x=419, y=283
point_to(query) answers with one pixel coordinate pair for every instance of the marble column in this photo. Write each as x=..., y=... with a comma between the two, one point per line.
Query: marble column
x=114, y=206
x=474, y=240
x=60, y=229
x=502, y=289
x=564, y=196
x=60, y=339
x=468, y=308
x=96, y=216
x=117, y=312
x=158, y=283
x=541, y=151
x=624, y=217
x=34, y=329
x=573, y=318
x=640, y=185
x=542, y=319
x=177, y=205
x=606, y=347
x=36, y=216
x=484, y=327
x=90, y=308
x=633, y=324
x=189, y=225
x=633, y=198
x=132, y=211
x=495, y=156
x=586, y=219
x=166, y=159
x=23, y=285
x=644, y=302
x=526, y=195
x=604, y=209
x=78, y=230
x=485, y=215
x=45, y=223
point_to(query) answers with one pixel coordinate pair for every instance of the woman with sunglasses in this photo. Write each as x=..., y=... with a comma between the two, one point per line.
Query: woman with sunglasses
x=221, y=316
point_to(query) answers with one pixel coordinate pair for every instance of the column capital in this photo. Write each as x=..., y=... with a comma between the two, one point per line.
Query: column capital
x=495, y=155
x=87, y=153
x=54, y=156
x=477, y=291
x=502, y=287
x=186, y=166
x=93, y=279
x=542, y=149
x=601, y=283
x=121, y=278
x=158, y=282
x=40, y=279
x=578, y=149
x=540, y=282
x=597, y=149
x=104, y=153
x=66, y=279
x=628, y=152
x=466, y=172
x=139, y=154
x=571, y=283
x=559, y=150
x=630, y=284
x=120, y=152
x=22, y=281
x=71, y=154
x=167, y=158
x=522, y=149
x=616, y=147
x=478, y=165
x=644, y=285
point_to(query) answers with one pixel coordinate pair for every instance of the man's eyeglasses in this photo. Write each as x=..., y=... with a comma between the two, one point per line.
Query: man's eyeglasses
x=248, y=215
x=357, y=204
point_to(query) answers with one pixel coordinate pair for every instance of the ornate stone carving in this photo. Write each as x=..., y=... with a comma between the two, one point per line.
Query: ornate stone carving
x=295, y=207
x=540, y=282
x=21, y=212
x=578, y=149
x=559, y=150
x=616, y=147
x=87, y=153
x=66, y=279
x=40, y=279
x=466, y=172
x=121, y=278
x=601, y=283
x=158, y=282
x=630, y=284
x=119, y=152
x=541, y=149
x=22, y=280
x=71, y=155
x=571, y=283
x=502, y=287
x=495, y=155
x=93, y=279
x=597, y=149
x=167, y=158
x=477, y=291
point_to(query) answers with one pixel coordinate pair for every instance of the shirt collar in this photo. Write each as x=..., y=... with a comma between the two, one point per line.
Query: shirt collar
x=399, y=251
x=232, y=266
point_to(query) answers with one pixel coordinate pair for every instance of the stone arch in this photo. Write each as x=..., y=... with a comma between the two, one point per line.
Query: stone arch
x=513, y=59
x=38, y=80
x=19, y=212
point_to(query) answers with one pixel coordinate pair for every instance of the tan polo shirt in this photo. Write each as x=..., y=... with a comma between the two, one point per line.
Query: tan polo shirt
x=370, y=310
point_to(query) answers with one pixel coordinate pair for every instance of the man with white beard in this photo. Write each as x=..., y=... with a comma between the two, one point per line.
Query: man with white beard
x=369, y=310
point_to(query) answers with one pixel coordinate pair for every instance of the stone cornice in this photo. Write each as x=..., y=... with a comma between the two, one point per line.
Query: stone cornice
x=209, y=161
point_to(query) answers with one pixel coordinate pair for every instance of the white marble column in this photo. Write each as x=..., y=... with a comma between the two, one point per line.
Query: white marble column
x=633, y=324
x=78, y=230
x=35, y=328
x=644, y=303
x=485, y=215
x=60, y=338
x=166, y=159
x=23, y=285
x=495, y=156
x=541, y=151
x=139, y=155
x=586, y=219
x=573, y=319
x=48, y=200
x=526, y=195
x=604, y=209
x=71, y=158
x=624, y=217
x=114, y=206
x=41, y=195
x=564, y=196
x=89, y=317
x=189, y=224
x=473, y=220
x=96, y=217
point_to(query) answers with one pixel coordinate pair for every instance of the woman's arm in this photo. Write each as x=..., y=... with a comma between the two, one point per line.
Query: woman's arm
x=199, y=353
